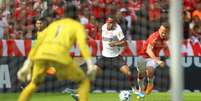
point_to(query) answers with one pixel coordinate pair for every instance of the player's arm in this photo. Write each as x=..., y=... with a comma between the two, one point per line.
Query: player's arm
x=151, y=54
x=120, y=43
x=121, y=39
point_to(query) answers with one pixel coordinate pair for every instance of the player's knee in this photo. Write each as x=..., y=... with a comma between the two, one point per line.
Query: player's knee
x=99, y=70
x=150, y=72
x=141, y=76
x=129, y=73
x=125, y=70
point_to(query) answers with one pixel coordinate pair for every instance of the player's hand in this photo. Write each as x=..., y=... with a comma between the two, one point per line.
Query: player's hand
x=24, y=74
x=91, y=72
x=112, y=43
x=161, y=63
x=92, y=69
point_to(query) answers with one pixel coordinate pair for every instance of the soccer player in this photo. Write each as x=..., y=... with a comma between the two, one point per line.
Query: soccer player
x=52, y=50
x=40, y=24
x=113, y=40
x=149, y=58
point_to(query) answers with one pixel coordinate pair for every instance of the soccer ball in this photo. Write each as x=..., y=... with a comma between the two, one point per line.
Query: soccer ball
x=124, y=95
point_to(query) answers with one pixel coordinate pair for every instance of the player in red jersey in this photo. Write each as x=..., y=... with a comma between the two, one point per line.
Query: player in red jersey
x=149, y=57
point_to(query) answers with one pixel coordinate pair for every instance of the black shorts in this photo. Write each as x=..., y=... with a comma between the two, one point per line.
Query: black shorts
x=114, y=62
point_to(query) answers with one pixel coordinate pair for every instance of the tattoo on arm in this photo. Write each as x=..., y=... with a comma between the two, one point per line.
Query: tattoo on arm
x=150, y=47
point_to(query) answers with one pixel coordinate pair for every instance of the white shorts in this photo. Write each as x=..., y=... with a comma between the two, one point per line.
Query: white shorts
x=143, y=63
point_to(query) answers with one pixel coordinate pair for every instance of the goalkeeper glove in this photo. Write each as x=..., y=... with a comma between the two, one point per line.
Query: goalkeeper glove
x=91, y=72
x=24, y=74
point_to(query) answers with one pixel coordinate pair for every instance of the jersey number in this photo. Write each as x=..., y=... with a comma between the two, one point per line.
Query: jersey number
x=58, y=31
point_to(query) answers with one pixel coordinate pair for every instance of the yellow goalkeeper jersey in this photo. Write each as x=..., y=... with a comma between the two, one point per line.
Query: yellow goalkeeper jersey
x=55, y=41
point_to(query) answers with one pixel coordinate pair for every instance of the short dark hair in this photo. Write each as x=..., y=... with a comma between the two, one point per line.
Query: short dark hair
x=166, y=25
x=43, y=20
x=71, y=11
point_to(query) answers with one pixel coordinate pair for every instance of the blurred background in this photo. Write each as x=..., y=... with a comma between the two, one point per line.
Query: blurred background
x=138, y=19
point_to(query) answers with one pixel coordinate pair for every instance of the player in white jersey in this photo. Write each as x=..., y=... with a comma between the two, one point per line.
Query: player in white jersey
x=113, y=40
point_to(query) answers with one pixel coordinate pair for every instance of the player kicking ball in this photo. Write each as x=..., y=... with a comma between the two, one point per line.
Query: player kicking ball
x=149, y=58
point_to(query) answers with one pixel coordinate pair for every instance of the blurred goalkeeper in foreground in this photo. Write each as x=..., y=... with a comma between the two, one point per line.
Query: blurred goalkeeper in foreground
x=52, y=50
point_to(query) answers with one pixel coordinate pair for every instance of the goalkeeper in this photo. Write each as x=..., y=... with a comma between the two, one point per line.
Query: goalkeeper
x=52, y=50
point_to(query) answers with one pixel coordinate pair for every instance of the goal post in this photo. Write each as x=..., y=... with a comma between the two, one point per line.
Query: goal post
x=176, y=70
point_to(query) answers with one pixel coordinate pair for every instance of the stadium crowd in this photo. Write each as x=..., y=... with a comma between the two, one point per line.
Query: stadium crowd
x=138, y=18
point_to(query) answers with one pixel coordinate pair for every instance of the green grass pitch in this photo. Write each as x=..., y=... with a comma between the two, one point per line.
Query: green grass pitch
x=98, y=97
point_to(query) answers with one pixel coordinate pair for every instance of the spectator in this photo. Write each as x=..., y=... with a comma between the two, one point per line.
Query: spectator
x=121, y=20
x=92, y=28
x=154, y=11
x=196, y=33
x=195, y=20
x=2, y=27
x=195, y=39
x=41, y=7
x=186, y=19
x=197, y=11
x=126, y=22
x=84, y=17
x=2, y=24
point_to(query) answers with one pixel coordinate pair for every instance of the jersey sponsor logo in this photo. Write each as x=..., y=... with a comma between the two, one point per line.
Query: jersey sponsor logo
x=110, y=39
x=58, y=31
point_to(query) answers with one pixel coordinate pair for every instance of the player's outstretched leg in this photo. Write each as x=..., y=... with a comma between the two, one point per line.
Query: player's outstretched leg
x=37, y=77
x=150, y=84
x=140, y=81
x=83, y=90
x=126, y=71
x=149, y=88
x=27, y=92
x=78, y=76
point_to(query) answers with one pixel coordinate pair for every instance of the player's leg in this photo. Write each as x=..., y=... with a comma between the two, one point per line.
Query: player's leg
x=126, y=71
x=39, y=72
x=74, y=72
x=150, y=66
x=100, y=64
x=150, y=84
x=141, y=69
x=123, y=67
x=140, y=80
